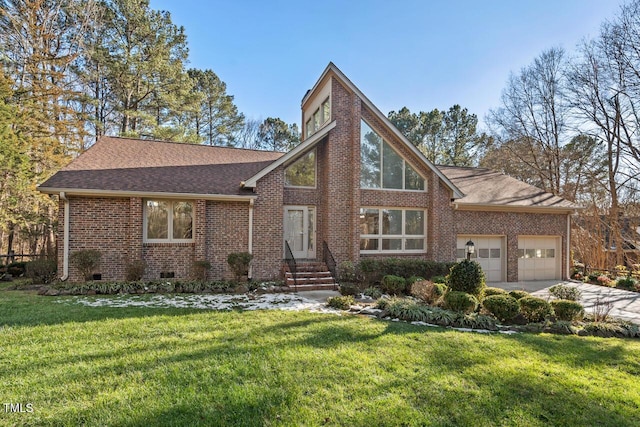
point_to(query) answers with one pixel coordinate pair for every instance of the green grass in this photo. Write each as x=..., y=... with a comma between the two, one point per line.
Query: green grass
x=139, y=366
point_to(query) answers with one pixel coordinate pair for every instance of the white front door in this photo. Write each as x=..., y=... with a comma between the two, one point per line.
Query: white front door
x=299, y=230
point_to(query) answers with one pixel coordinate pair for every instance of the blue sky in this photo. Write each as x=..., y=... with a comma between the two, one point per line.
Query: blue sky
x=422, y=54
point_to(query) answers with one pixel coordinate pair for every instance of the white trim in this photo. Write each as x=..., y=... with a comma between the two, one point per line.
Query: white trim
x=300, y=149
x=308, y=231
x=250, y=249
x=568, y=248
x=145, y=194
x=170, y=238
x=457, y=194
x=65, y=244
x=402, y=236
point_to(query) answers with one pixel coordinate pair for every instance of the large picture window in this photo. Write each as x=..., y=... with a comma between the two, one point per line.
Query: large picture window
x=392, y=230
x=302, y=173
x=168, y=221
x=382, y=167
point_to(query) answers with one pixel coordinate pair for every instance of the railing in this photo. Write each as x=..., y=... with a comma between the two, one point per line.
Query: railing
x=9, y=258
x=329, y=260
x=291, y=263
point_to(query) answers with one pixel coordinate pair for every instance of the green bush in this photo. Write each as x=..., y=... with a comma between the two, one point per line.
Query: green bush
x=467, y=276
x=17, y=268
x=348, y=288
x=373, y=270
x=239, y=263
x=626, y=283
x=565, y=292
x=41, y=270
x=341, y=302
x=200, y=268
x=413, y=279
x=428, y=291
x=535, y=309
x=347, y=272
x=439, y=279
x=519, y=294
x=502, y=306
x=460, y=301
x=493, y=291
x=394, y=285
x=373, y=292
x=135, y=270
x=86, y=261
x=568, y=310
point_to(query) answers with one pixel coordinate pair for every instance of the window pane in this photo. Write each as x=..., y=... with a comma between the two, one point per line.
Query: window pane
x=325, y=110
x=368, y=244
x=391, y=244
x=530, y=253
x=157, y=220
x=369, y=157
x=551, y=253
x=369, y=219
x=316, y=120
x=520, y=253
x=483, y=253
x=308, y=127
x=302, y=173
x=414, y=223
x=182, y=220
x=495, y=253
x=414, y=244
x=460, y=253
x=392, y=168
x=412, y=180
x=391, y=222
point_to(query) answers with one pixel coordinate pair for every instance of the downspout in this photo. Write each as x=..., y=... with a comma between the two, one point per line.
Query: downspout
x=65, y=244
x=250, y=275
x=568, y=246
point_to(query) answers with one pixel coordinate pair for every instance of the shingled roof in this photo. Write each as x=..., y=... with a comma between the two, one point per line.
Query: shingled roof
x=486, y=187
x=134, y=165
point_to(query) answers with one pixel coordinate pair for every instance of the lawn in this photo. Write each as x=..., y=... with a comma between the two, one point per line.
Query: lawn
x=80, y=365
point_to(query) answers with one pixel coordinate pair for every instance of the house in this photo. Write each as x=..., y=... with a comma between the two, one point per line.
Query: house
x=353, y=188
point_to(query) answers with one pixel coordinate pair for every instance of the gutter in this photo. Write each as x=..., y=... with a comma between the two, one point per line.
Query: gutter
x=65, y=249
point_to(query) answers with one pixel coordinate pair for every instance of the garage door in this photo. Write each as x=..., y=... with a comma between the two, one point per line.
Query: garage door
x=489, y=254
x=539, y=258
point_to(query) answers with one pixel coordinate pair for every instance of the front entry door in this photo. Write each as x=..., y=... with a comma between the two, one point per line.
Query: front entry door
x=299, y=230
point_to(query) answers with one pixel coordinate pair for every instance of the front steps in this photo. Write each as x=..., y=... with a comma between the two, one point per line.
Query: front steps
x=310, y=276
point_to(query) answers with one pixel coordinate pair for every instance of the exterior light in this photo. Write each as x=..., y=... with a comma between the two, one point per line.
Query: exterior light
x=471, y=248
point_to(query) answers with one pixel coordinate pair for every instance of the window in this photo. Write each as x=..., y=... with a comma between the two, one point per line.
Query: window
x=536, y=253
x=168, y=221
x=382, y=167
x=302, y=173
x=392, y=230
x=319, y=118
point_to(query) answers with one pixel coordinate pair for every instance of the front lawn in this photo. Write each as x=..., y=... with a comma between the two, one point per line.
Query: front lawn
x=148, y=366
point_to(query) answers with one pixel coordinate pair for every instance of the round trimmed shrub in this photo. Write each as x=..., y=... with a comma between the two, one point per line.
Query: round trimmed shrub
x=535, y=309
x=568, y=310
x=627, y=283
x=394, y=285
x=502, y=306
x=467, y=276
x=519, y=294
x=460, y=301
x=341, y=303
x=565, y=292
x=488, y=291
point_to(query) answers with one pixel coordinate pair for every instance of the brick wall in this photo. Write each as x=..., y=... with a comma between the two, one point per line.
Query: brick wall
x=268, y=226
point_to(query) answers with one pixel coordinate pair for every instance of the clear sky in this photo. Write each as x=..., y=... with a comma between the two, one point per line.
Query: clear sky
x=422, y=54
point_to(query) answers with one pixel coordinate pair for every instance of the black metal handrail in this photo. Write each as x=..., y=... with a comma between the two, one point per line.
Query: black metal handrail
x=329, y=260
x=291, y=263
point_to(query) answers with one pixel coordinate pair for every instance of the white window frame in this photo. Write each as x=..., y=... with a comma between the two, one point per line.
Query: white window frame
x=169, y=238
x=315, y=171
x=310, y=124
x=380, y=236
x=405, y=162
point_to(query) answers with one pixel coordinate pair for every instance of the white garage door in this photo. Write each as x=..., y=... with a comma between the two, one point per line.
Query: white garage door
x=489, y=254
x=539, y=258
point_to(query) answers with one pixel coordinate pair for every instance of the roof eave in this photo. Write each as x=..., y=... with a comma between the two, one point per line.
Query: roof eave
x=515, y=208
x=164, y=195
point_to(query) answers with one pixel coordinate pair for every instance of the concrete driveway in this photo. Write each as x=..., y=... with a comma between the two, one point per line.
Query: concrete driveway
x=625, y=304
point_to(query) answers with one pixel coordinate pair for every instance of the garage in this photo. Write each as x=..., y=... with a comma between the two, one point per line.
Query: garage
x=489, y=253
x=539, y=258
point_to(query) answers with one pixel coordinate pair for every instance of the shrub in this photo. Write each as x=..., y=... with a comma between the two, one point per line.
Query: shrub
x=373, y=292
x=135, y=270
x=565, y=292
x=340, y=302
x=41, y=270
x=199, y=270
x=467, y=276
x=17, y=269
x=439, y=279
x=428, y=291
x=239, y=263
x=502, y=306
x=460, y=301
x=568, y=310
x=373, y=270
x=413, y=279
x=347, y=272
x=535, y=309
x=518, y=294
x=394, y=285
x=627, y=283
x=493, y=291
x=86, y=261
x=347, y=288
x=604, y=280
